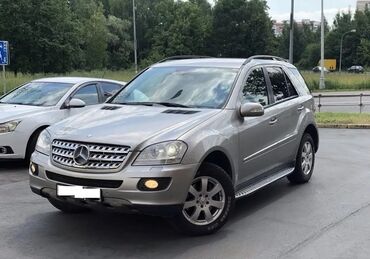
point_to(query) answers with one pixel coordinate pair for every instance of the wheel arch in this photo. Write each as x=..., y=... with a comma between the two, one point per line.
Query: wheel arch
x=219, y=157
x=312, y=130
x=36, y=131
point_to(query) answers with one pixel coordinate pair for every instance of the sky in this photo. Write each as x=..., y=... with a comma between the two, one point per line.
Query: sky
x=309, y=9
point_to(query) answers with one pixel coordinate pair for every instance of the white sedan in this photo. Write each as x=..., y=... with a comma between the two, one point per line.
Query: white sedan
x=32, y=107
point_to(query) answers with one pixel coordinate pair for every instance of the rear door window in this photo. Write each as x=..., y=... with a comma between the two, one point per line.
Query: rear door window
x=282, y=87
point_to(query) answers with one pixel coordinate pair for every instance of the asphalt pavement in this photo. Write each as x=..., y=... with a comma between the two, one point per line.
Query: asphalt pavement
x=327, y=218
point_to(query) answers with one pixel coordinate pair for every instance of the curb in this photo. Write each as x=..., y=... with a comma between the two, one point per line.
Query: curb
x=344, y=126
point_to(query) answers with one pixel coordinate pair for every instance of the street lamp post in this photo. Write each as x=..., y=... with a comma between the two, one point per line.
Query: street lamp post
x=322, y=76
x=291, y=40
x=341, y=49
x=135, y=40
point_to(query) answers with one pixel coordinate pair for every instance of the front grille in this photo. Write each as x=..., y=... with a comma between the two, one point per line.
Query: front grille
x=84, y=182
x=100, y=156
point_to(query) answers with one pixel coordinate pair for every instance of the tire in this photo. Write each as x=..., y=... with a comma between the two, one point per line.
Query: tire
x=199, y=201
x=32, y=145
x=305, y=161
x=67, y=207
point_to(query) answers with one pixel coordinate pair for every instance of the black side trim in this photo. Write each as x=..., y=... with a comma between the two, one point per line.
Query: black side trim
x=159, y=210
x=36, y=191
x=84, y=182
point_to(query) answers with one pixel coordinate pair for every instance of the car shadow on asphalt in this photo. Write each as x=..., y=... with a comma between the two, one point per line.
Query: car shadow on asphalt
x=131, y=235
x=16, y=164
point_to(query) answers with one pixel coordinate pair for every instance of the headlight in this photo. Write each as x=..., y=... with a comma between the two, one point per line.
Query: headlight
x=165, y=153
x=44, y=142
x=8, y=126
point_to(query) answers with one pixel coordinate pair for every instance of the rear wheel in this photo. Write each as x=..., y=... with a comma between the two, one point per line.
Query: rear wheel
x=305, y=161
x=67, y=207
x=209, y=202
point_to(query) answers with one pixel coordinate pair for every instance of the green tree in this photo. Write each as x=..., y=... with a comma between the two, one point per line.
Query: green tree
x=180, y=28
x=42, y=35
x=241, y=28
x=93, y=33
x=119, y=43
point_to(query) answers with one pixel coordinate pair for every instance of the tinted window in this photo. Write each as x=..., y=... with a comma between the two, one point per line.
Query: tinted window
x=280, y=87
x=109, y=89
x=88, y=94
x=255, y=88
x=291, y=89
x=300, y=79
x=37, y=93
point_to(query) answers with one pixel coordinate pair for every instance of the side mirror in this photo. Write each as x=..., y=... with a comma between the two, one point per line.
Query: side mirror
x=76, y=103
x=251, y=110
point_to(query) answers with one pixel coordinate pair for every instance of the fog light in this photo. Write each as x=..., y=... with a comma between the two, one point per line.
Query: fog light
x=34, y=169
x=154, y=184
x=151, y=184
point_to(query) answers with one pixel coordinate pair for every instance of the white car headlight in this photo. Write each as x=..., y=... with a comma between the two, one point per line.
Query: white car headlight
x=43, y=144
x=8, y=126
x=165, y=153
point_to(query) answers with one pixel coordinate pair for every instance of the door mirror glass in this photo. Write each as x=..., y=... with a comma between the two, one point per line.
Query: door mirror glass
x=251, y=110
x=76, y=103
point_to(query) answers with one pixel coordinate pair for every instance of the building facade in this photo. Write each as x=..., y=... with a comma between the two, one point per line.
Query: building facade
x=361, y=4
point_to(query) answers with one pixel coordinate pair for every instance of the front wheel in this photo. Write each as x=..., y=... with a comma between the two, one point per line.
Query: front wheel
x=209, y=202
x=305, y=161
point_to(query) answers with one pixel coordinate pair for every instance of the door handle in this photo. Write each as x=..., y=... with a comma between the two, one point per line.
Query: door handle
x=273, y=121
x=300, y=108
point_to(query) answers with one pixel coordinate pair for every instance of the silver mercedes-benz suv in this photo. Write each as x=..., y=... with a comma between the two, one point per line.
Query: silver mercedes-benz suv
x=183, y=140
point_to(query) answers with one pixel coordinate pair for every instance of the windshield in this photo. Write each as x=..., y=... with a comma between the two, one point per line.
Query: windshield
x=37, y=94
x=200, y=87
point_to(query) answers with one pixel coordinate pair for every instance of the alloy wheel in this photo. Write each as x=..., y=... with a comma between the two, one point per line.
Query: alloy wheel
x=205, y=201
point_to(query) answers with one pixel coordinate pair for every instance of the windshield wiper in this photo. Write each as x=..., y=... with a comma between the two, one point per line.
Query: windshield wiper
x=135, y=103
x=167, y=104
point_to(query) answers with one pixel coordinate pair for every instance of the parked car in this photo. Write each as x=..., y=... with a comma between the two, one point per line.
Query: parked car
x=32, y=107
x=183, y=140
x=356, y=69
x=318, y=69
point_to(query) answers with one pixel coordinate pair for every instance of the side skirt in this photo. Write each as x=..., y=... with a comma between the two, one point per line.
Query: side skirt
x=263, y=182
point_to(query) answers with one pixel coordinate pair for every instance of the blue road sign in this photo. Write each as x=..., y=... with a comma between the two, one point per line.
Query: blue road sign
x=4, y=53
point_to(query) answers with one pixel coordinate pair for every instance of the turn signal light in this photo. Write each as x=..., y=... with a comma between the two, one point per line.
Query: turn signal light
x=34, y=169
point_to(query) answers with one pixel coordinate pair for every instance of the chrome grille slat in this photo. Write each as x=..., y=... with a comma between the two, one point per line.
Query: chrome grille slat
x=102, y=157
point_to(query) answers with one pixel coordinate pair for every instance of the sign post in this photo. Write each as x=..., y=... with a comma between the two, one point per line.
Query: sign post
x=4, y=59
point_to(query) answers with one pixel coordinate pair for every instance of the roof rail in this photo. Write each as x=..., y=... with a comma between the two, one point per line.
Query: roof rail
x=265, y=57
x=182, y=57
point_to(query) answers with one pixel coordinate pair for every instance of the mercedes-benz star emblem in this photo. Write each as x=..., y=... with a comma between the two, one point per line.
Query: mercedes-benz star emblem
x=81, y=155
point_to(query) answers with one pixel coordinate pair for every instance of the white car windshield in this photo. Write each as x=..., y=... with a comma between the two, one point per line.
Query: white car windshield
x=201, y=87
x=37, y=94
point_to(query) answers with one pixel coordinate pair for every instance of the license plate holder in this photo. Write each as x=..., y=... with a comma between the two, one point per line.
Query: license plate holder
x=79, y=192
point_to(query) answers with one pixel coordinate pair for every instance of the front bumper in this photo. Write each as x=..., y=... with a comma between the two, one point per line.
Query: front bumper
x=17, y=142
x=127, y=196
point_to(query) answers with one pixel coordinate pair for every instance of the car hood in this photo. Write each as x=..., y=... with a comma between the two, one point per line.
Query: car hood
x=134, y=126
x=10, y=112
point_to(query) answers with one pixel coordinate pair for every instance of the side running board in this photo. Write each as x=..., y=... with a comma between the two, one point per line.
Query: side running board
x=252, y=188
